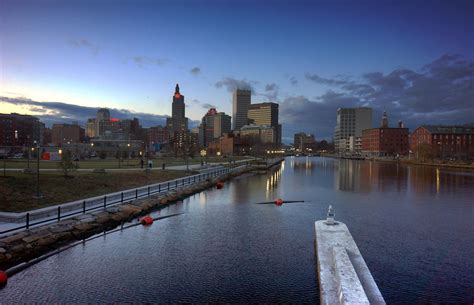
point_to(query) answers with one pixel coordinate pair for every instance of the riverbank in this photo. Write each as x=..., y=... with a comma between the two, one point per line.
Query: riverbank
x=27, y=245
x=411, y=162
x=17, y=189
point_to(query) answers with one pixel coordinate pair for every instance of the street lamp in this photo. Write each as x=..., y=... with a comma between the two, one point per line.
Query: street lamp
x=203, y=154
x=28, y=150
x=38, y=193
x=128, y=152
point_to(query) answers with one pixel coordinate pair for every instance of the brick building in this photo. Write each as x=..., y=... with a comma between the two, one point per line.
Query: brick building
x=19, y=130
x=229, y=145
x=385, y=141
x=157, y=135
x=67, y=133
x=445, y=141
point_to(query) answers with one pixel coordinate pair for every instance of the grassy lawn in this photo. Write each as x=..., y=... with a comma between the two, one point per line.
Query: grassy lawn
x=17, y=189
x=109, y=163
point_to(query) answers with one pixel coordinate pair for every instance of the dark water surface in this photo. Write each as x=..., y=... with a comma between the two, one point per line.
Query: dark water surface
x=413, y=225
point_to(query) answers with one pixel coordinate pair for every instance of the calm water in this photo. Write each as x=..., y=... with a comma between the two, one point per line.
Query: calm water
x=413, y=225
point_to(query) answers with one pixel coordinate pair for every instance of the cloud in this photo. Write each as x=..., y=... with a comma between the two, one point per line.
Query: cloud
x=207, y=106
x=58, y=112
x=293, y=80
x=195, y=71
x=232, y=84
x=83, y=43
x=325, y=81
x=143, y=61
x=271, y=92
x=442, y=92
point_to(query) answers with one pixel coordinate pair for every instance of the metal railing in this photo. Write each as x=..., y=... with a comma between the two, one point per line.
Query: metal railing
x=102, y=202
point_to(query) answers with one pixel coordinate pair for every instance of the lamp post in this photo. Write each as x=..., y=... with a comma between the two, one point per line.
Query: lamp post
x=146, y=156
x=128, y=152
x=38, y=193
x=28, y=149
x=119, y=155
x=203, y=154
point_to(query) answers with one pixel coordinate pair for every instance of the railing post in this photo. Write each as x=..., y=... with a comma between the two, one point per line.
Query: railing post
x=121, y=197
x=176, y=183
x=148, y=191
x=105, y=202
x=168, y=185
x=84, y=207
x=159, y=188
x=136, y=193
x=59, y=213
x=27, y=220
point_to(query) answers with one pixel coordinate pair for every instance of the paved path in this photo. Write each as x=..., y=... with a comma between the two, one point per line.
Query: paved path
x=173, y=167
x=128, y=196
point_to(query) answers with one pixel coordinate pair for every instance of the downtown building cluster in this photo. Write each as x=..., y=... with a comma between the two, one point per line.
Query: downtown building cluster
x=255, y=128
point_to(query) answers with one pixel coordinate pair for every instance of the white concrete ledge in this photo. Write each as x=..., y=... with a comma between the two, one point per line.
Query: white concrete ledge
x=344, y=277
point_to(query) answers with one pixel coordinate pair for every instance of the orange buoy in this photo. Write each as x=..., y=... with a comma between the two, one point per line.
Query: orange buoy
x=146, y=221
x=279, y=202
x=3, y=279
x=219, y=185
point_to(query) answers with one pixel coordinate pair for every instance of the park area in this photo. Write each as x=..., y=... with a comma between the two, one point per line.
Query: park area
x=17, y=189
x=111, y=163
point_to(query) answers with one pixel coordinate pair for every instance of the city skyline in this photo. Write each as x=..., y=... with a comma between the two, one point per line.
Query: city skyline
x=412, y=60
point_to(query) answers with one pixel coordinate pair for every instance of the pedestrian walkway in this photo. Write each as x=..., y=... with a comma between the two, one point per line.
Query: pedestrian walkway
x=197, y=167
x=29, y=219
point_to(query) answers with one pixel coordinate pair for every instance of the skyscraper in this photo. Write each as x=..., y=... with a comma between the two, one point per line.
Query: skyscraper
x=265, y=114
x=348, y=131
x=206, y=129
x=178, y=121
x=222, y=124
x=240, y=104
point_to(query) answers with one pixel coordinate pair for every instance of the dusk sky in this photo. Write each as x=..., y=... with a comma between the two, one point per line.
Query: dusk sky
x=61, y=60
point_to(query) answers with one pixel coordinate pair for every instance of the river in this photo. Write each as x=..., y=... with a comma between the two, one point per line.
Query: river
x=414, y=225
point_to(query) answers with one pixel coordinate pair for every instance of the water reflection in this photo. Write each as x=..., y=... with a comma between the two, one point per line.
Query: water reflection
x=273, y=179
x=371, y=176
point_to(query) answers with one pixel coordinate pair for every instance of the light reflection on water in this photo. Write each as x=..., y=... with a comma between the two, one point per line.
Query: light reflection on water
x=412, y=224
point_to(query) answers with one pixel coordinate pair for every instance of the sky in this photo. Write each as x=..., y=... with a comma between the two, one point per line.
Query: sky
x=61, y=60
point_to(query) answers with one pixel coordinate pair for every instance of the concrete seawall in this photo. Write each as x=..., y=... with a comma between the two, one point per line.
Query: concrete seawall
x=344, y=277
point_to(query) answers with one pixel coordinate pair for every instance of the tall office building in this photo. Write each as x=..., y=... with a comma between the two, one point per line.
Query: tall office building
x=103, y=114
x=206, y=129
x=91, y=128
x=222, y=124
x=240, y=104
x=213, y=125
x=349, y=126
x=265, y=114
x=178, y=121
